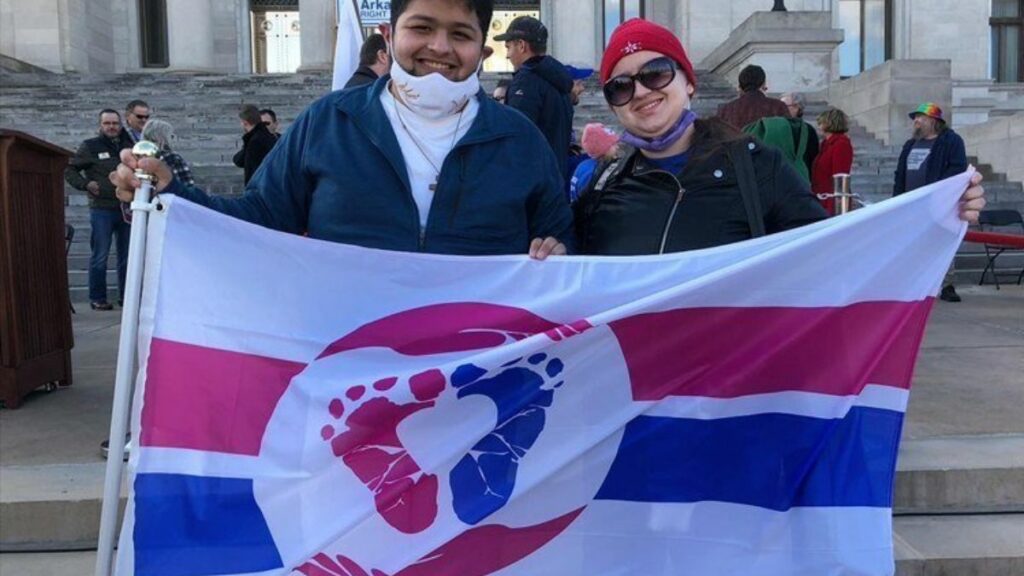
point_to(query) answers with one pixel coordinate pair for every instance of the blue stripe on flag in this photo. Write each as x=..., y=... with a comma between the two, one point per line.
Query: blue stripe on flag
x=194, y=525
x=774, y=461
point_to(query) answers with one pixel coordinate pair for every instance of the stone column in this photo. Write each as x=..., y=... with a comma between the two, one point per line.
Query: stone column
x=190, y=35
x=316, y=38
x=574, y=30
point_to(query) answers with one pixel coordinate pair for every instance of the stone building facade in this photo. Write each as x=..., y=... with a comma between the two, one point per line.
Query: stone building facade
x=118, y=36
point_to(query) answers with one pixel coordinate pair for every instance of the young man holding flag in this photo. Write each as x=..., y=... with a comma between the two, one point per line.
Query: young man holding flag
x=420, y=160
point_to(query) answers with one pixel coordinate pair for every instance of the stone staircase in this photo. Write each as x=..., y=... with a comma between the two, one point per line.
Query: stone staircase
x=203, y=109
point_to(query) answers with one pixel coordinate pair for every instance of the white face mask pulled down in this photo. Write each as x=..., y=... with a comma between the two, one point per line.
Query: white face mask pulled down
x=433, y=96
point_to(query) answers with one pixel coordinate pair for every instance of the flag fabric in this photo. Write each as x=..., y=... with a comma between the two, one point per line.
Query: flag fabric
x=317, y=409
x=347, y=44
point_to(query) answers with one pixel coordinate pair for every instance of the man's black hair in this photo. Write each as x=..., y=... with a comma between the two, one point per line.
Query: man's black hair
x=109, y=111
x=269, y=112
x=504, y=83
x=373, y=44
x=250, y=115
x=484, y=10
x=752, y=78
x=135, y=104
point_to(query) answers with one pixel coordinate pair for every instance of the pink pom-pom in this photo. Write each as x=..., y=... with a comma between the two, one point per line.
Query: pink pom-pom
x=598, y=141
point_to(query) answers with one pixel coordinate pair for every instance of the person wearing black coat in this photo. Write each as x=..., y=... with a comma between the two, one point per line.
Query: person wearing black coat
x=541, y=88
x=374, y=62
x=934, y=152
x=89, y=170
x=257, y=141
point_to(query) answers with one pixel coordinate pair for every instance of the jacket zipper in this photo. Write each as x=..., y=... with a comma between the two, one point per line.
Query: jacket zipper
x=672, y=213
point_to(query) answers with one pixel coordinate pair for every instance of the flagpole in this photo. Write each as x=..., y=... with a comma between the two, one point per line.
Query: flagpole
x=126, y=351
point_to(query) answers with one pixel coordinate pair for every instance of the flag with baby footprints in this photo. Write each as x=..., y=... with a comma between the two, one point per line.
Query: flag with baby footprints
x=314, y=409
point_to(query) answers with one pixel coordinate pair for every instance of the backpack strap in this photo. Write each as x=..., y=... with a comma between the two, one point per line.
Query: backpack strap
x=739, y=155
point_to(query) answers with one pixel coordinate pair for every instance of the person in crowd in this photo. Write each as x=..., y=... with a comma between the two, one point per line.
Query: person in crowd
x=836, y=156
x=257, y=141
x=752, y=104
x=136, y=114
x=579, y=76
x=541, y=88
x=374, y=62
x=161, y=133
x=89, y=171
x=500, y=94
x=687, y=183
x=416, y=161
x=269, y=119
x=795, y=104
x=933, y=152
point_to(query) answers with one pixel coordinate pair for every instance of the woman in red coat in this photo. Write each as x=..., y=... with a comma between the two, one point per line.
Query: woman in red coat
x=835, y=156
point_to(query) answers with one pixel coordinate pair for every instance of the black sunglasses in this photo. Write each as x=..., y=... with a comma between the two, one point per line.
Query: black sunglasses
x=141, y=116
x=654, y=75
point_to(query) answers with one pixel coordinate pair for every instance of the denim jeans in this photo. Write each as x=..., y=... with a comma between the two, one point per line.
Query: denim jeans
x=107, y=224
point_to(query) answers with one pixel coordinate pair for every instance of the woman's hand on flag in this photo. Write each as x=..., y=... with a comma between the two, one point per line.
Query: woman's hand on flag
x=125, y=181
x=541, y=248
x=973, y=200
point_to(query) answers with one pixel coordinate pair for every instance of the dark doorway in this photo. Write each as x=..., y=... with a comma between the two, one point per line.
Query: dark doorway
x=153, y=33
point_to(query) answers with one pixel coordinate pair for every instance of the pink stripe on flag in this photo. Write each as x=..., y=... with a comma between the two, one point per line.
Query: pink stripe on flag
x=731, y=352
x=209, y=399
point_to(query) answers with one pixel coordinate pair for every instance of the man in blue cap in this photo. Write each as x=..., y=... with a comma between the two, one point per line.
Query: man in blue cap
x=541, y=88
x=933, y=153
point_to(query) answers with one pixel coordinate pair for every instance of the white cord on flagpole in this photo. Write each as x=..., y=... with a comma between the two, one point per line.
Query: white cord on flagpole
x=126, y=350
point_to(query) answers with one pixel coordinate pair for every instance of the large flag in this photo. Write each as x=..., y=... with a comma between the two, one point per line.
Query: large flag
x=316, y=409
x=347, y=44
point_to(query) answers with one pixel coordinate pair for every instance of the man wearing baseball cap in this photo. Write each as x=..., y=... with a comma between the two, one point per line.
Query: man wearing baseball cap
x=933, y=153
x=541, y=88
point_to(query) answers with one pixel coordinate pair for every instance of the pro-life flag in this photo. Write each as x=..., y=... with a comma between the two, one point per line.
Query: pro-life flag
x=312, y=408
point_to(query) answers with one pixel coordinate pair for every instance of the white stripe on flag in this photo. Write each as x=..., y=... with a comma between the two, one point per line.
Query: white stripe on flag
x=603, y=540
x=810, y=404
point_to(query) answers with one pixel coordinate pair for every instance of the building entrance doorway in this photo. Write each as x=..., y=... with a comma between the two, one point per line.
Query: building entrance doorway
x=276, y=48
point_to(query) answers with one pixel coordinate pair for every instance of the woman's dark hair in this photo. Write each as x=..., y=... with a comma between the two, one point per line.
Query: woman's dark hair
x=484, y=10
x=752, y=77
x=711, y=135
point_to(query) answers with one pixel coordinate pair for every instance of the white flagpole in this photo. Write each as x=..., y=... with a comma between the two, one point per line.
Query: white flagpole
x=349, y=41
x=126, y=351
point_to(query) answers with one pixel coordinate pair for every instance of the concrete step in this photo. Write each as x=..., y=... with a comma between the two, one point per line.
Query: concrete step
x=971, y=545
x=54, y=507
x=976, y=474
x=47, y=564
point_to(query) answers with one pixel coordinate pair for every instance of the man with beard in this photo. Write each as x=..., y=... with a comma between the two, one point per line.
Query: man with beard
x=933, y=153
x=420, y=160
x=89, y=171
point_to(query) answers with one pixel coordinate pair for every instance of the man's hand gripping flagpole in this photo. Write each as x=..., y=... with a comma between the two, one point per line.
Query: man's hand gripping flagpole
x=127, y=348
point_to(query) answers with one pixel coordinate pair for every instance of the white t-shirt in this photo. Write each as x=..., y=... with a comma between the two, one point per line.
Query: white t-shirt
x=436, y=137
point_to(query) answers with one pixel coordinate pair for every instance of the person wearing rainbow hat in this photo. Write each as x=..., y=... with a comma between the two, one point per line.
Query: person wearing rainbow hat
x=690, y=183
x=933, y=153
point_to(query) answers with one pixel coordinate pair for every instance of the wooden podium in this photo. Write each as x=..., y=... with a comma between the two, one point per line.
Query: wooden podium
x=35, y=313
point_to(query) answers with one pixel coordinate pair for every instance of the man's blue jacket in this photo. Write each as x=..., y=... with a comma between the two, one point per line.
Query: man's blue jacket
x=338, y=174
x=947, y=158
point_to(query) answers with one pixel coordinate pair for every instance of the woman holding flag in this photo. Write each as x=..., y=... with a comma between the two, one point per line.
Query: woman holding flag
x=690, y=183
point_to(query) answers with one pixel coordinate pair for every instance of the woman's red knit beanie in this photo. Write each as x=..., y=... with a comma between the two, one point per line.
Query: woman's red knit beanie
x=635, y=35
